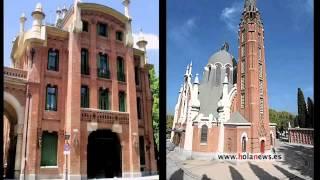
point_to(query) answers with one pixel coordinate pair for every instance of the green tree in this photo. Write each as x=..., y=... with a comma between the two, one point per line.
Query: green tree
x=281, y=118
x=169, y=124
x=154, y=85
x=302, y=109
x=310, y=113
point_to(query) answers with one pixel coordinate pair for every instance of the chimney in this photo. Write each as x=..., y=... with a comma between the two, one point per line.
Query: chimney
x=22, y=21
x=37, y=16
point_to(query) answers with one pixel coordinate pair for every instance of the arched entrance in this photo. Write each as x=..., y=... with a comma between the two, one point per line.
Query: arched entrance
x=176, y=138
x=104, y=155
x=13, y=114
x=262, y=145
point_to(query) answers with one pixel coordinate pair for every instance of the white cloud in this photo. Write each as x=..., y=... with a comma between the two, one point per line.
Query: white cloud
x=152, y=39
x=182, y=32
x=230, y=15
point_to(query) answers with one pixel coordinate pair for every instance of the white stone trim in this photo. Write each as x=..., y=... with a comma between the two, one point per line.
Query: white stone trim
x=262, y=138
x=244, y=134
x=8, y=97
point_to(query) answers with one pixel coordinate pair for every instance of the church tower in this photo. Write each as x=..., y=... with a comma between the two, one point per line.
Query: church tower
x=252, y=95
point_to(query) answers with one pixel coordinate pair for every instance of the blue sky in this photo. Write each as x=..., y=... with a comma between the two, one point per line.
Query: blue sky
x=145, y=14
x=196, y=29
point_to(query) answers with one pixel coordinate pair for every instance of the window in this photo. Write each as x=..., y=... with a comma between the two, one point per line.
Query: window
x=49, y=147
x=119, y=35
x=259, y=53
x=104, y=99
x=244, y=145
x=259, y=38
x=136, y=75
x=103, y=66
x=51, y=98
x=261, y=105
x=122, y=102
x=261, y=87
x=242, y=100
x=209, y=73
x=142, y=152
x=139, y=108
x=243, y=36
x=242, y=82
x=85, y=26
x=102, y=29
x=218, y=75
x=260, y=71
x=84, y=96
x=120, y=65
x=204, y=134
x=271, y=140
x=242, y=51
x=243, y=66
x=228, y=71
x=53, y=60
x=84, y=61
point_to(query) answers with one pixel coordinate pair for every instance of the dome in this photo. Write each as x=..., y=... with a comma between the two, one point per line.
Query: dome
x=222, y=56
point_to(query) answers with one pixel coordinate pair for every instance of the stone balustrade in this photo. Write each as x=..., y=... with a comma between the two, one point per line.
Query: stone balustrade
x=104, y=116
x=301, y=135
x=15, y=73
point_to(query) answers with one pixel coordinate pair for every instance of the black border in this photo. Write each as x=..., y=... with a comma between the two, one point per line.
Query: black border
x=1, y=90
x=162, y=89
x=316, y=89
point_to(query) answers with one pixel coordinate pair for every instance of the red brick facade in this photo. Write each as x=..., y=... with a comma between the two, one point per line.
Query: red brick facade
x=70, y=118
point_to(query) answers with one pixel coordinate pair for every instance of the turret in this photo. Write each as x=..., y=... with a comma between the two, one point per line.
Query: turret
x=195, y=92
x=142, y=43
x=64, y=11
x=22, y=21
x=38, y=17
x=58, y=15
x=126, y=4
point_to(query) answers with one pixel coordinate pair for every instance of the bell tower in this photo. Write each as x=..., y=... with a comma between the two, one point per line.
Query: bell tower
x=252, y=95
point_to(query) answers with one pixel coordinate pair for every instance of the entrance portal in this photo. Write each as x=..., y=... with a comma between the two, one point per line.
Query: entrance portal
x=104, y=155
x=176, y=138
x=262, y=146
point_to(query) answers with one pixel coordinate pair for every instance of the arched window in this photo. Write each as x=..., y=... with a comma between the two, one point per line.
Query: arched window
x=228, y=71
x=209, y=73
x=104, y=99
x=53, y=60
x=120, y=70
x=51, y=98
x=244, y=144
x=204, y=134
x=218, y=74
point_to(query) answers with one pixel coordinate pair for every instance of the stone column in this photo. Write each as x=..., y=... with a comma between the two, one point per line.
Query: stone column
x=18, y=159
x=133, y=117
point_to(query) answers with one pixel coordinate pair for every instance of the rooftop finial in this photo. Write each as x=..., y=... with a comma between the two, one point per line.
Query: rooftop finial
x=225, y=46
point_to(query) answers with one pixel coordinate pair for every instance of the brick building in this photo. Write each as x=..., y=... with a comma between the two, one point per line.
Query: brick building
x=78, y=99
x=227, y=112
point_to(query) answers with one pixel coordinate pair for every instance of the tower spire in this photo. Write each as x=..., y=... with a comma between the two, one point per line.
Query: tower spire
x=250, y=5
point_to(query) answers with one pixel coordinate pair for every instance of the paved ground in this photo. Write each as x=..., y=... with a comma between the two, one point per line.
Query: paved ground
x=298, y=164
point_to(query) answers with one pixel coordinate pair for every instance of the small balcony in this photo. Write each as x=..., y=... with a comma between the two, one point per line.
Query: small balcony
x=104, y=116
x=15, y=73
x=103, y=73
